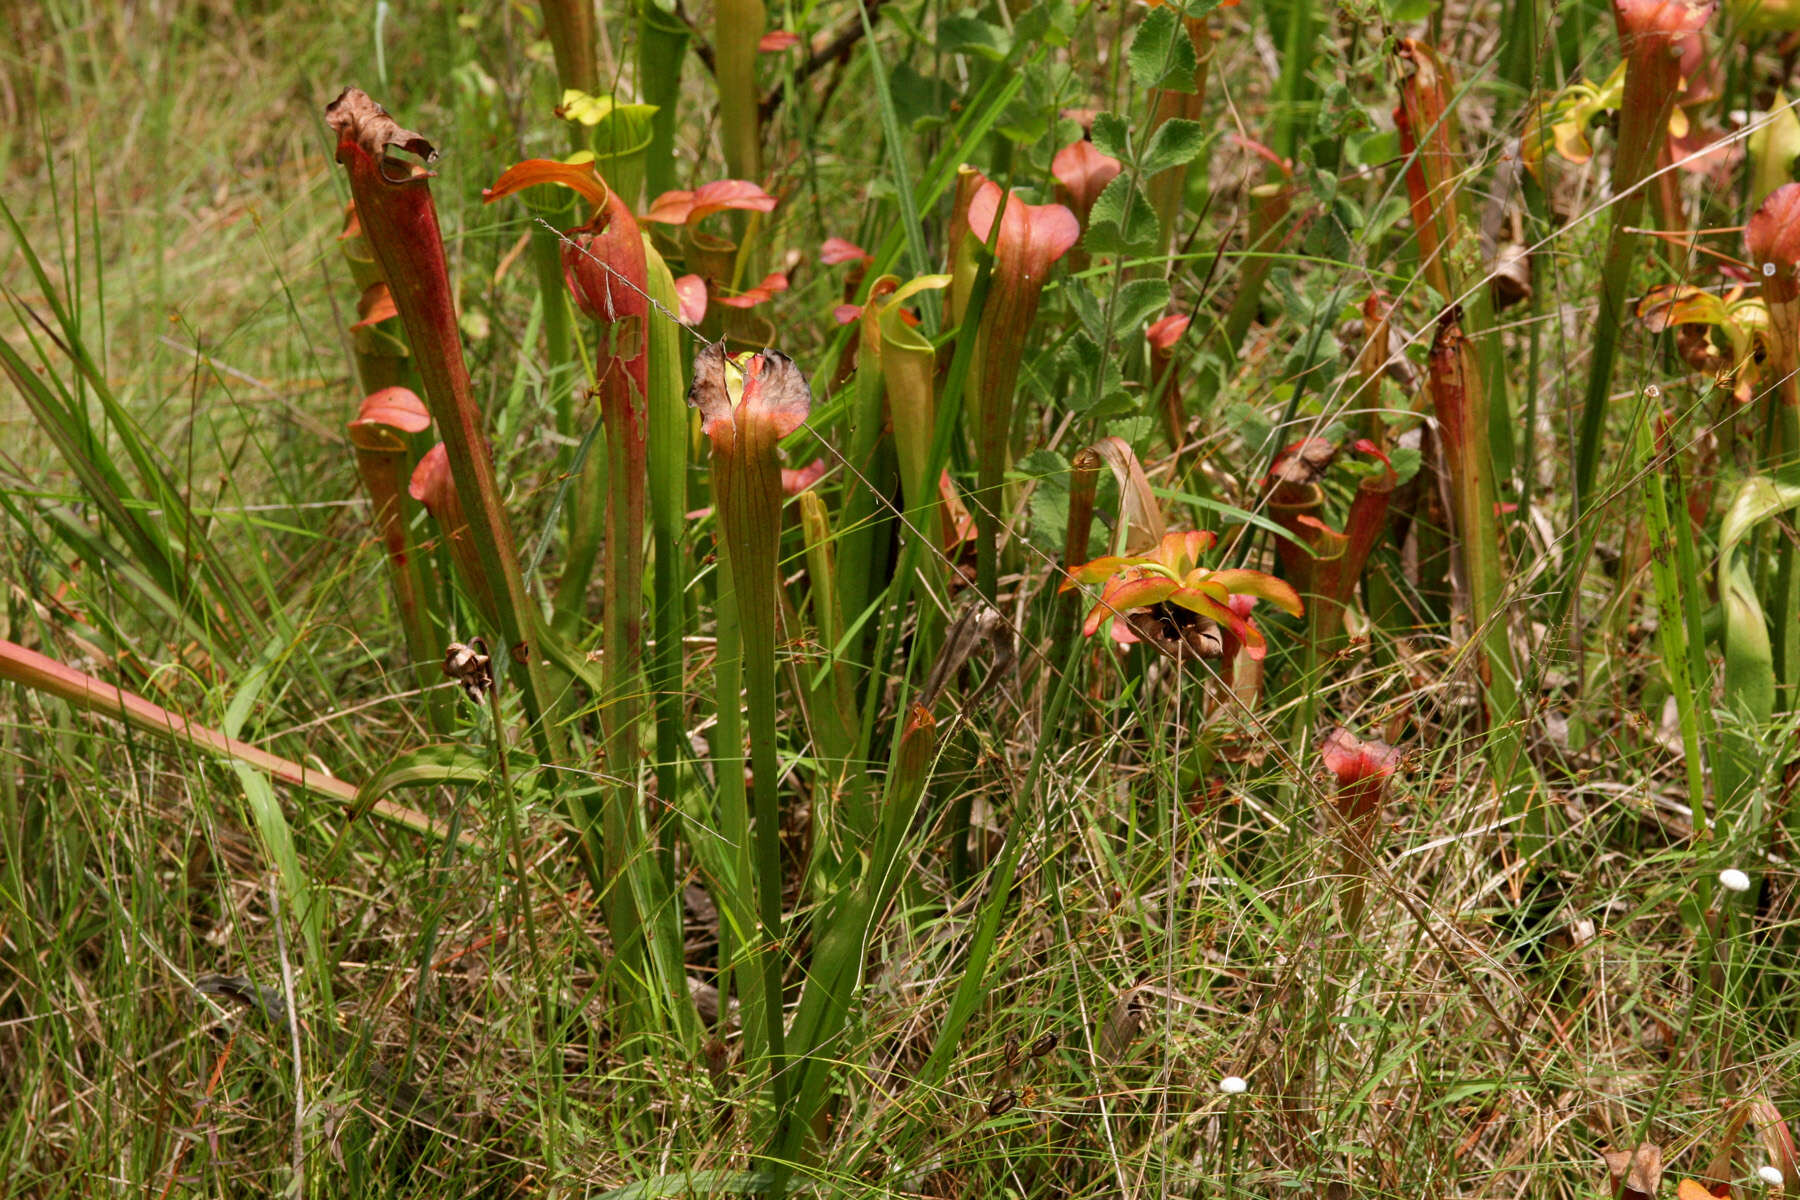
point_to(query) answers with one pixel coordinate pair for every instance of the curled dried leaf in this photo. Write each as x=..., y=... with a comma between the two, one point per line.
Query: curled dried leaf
x=1636, y=1174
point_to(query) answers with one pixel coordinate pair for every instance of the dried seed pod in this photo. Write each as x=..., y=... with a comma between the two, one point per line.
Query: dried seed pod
x=1002, y=1103
x=468, y=663
x=1045, y=1044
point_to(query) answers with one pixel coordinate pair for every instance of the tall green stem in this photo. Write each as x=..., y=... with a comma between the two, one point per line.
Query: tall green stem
x=1648, y=33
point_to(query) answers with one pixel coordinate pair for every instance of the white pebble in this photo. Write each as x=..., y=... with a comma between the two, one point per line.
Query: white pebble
x=1233, y=1085
x=1770, y=1175
x=1734, y=880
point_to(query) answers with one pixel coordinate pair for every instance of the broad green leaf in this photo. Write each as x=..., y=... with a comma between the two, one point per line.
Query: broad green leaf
x=1772, y=149
x=1122, y=221
x=1049, y=504
x=1082, y=363
x=1045, y=24
x=1112, y=136
x=1373, y=149
x=1087, y=306
x=1176, y=143
x=1758, y=498
x=920, y=102
x=1405, y=461
x=1139, y=300
x=1747, y=688
x=970, y=35
x=1161, y=55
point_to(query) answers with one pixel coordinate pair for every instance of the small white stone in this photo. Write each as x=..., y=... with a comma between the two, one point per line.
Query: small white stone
x=1233, y=1085
x=1771, y=1176
x=1734, y=880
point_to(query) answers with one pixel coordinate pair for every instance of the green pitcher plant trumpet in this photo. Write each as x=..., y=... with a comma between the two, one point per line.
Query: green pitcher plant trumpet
x=745, y=419
x=1029, y=241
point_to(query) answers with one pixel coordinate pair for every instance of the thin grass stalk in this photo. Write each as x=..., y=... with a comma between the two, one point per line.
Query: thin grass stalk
x=1269, y=211
x=830, y=689
x=666, y=462
x=1661, y=519
x=912, y=228
x=1649, y=33
x=735, y=872
x=189, y=576
x=401, y=222
x=843, y=947
x=865, y=526
x=1296, y=67
x=972, y=986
